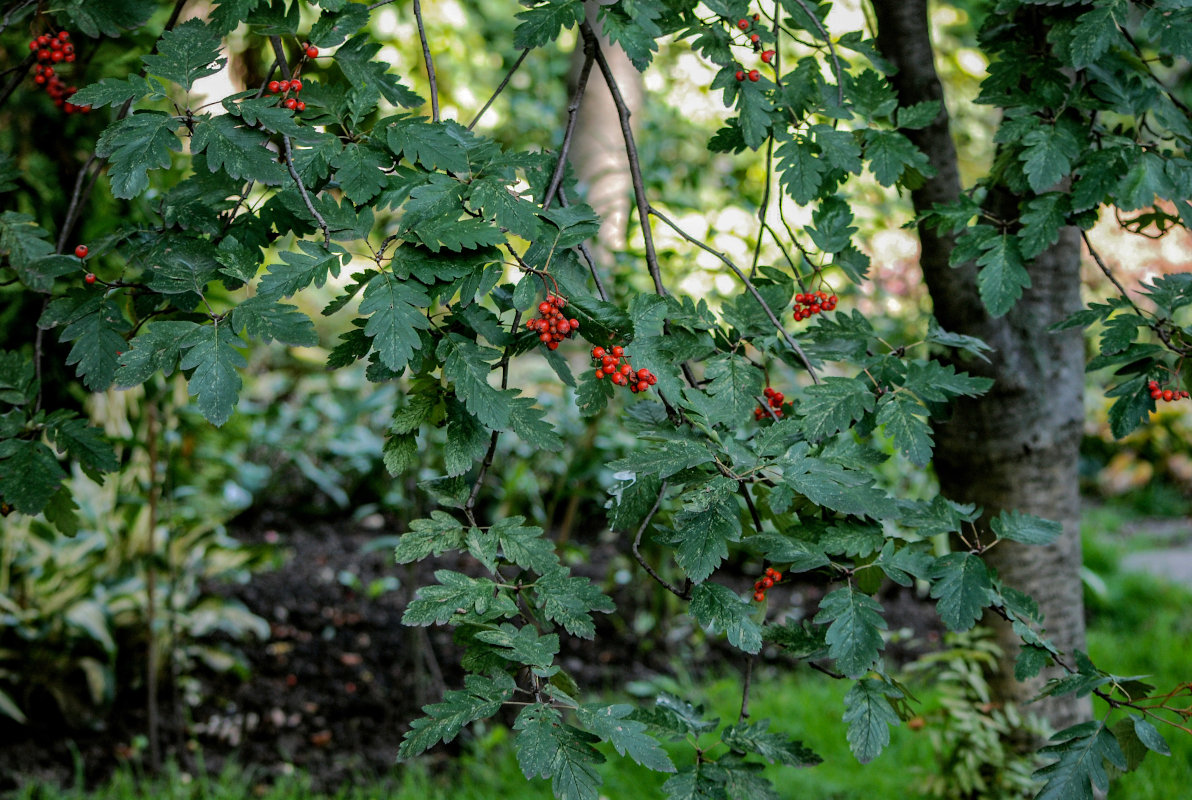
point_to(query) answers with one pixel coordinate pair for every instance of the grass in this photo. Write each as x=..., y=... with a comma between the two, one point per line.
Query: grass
x=1137, y=625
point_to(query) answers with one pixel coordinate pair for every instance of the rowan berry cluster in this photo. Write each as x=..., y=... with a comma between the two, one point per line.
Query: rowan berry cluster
x=551, y=326
x=51, y=50
x=775, y=398
x=755, y=40
x=614, y=364
x=284, y=88
x=813, y=303
x=765, y=583
x=1166, y=395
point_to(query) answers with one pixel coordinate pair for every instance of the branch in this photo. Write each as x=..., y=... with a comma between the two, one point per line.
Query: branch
x=20, y=71
x=500, y=88
x=635, y=166
x=637, y=540
x=556, y=178
x=496, y=435
x=430, y=63
x=748, y=285
x=745, y=689
x=587, y=252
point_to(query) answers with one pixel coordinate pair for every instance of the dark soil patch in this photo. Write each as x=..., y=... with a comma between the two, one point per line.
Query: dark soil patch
x=333, y=689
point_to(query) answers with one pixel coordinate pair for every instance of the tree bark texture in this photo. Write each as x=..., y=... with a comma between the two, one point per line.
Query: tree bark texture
x=1016, y=447
x=598, y=151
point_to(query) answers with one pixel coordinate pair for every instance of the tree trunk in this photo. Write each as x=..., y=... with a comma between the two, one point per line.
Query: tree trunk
x=1016, y=447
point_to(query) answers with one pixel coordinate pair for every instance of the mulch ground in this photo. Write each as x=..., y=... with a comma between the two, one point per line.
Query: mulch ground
x=332, y=690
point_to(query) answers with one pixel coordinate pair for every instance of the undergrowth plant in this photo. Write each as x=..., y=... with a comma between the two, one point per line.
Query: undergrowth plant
x=444, y=244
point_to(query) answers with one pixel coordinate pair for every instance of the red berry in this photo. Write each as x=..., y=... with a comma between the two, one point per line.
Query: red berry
x=652, y=379
x=312, y=52
x=70, y=57
x=63, y=35
x=56, y=56
x=33, y=45
x=626, y=370
x=642, y=386
x=776, y=575
x=291, y=103
x=574, y=324
x=274, y=87
x=767, y=55
x=39, y=79
x=740, y=75
x=599, y=374
x=816, y=308
x=55, y=44
x=754, y=75
x=564, y=327
x=89, y=277
x=1167, y=395
x=43, y=40
x=742, y=24
x=81, y=251
x=755, y=38
x=597, y=352
x=1156, y=394
x=43, y=55
x=552, y=345
x=296, y=85
x=283, y=86
x=757, y=17
x=767, y=582
x=618, y=351
x=759, y=596
x=300, y=106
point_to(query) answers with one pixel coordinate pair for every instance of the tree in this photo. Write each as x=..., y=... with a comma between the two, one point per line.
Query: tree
x=465, y=255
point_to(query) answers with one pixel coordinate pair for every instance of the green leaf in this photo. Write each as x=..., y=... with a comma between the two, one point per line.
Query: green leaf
x=84, y=444
x=237, y=150
x=1047, y=156
x=29, y=475
x=1042, y=218
x=395, y=311
x=962, y=586
x=525, y=545
x=360, y=170
x=267, y=320
x=854, y=636
x=1030, y=661
x=754, y=738
x=299, y=270
x=1095, y=33
x=633, y=27
x=663, y=458
x=188, y=52
x=134, y=145
x=467, y=365
x=113, y=92
x=841, y=149
x=937, y=382
x=96, y=330
x=570, y=600
x=365, y=75
x=869, y=716
x=905, y=422
x=1080, y=754
x=834, y=405
x=481, y=698
x=703, y=780
x=800, y=640
x=213, y=356
x=719, y=607
x=612, y=724
x=434, y=146
x=522, y=645
x=467, y=439
x=527, y=421
x=919, y=115
x=457, y=593
x=735, y=384
x=1003, y=274
x=548, y=748
x=157, y=348
x=542, y=23
x=786, y=548
x=890, y=154
x=702, y=537
x=801, y=171
x=828, y=484
x=1026, y=528
x=1149, y=735
x=434, y=536
x=968, y=344
x=332, y=28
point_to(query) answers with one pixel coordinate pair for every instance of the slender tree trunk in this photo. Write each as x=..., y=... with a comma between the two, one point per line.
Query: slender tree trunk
x=1016, y=447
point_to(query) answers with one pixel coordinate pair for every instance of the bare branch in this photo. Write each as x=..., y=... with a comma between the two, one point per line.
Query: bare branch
x=831, y=50
x=500, y=88
x=637, y=553
x=556, y=178
x=430, y=63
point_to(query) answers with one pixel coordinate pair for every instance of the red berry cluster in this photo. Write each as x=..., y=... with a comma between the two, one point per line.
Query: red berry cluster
x=615, y=364
x=285, y=87
x=775, y=398
x=813, y=303
x=552, y=327
x=52, y=50
x=1166, y=395
x=765, y=583
x=755, y=40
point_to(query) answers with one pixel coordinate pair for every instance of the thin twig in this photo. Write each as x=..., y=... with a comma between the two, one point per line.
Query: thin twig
x=572, y=115
x=757, y=520
x=496, y=435
x=586, y=252
x=20, y=71
x=500, y=88
x=745, y=689
x=12, y=11
x=635, y=167
x=761, y=212
x=748, y=285
x=637, y=553
x=430, y=63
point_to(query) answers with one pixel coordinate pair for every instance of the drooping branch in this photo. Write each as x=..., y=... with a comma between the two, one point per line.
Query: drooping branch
x=791, y=343
x=500, y=88
x=577, y=98
x=637, y=553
